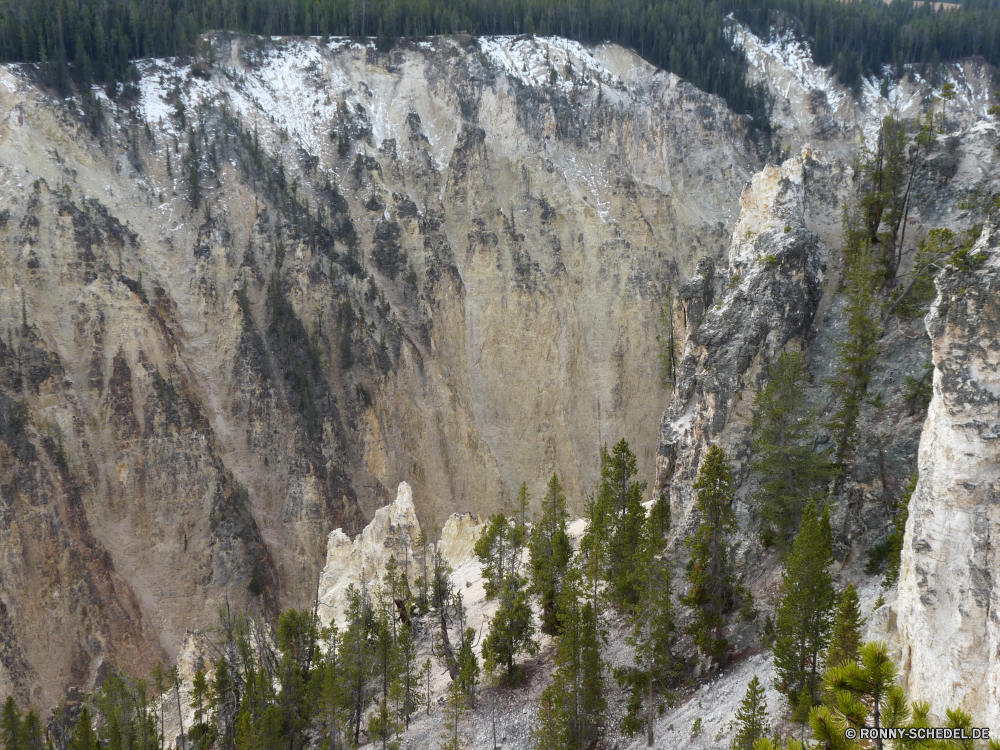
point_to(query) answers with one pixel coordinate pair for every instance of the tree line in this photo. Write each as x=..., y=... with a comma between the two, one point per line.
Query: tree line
x=85, y=41
x=860, y=38
x=89, y=41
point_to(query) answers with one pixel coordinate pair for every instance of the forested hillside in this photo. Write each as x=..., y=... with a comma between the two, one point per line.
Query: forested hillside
x=687, y=37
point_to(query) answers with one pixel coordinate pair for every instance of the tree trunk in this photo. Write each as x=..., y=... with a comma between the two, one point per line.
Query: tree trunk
x=449, y=653
x=180, y=717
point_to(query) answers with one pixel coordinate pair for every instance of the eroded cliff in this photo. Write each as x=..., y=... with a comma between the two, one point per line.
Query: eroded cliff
x=243, y=302
x=946, y=611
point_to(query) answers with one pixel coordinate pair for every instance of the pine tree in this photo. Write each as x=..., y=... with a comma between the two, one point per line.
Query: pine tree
x=84, y=737
x=441, y=598
x=573, y=706
x=357, y=661
x=175, y=683
x=551, y=551
x=765, y=743
x=333, y=699
x=468, y=665
x=653, y=631
x=222, y=701
x=423, y=543
x=866, y=695
x=791, y=472
x=199, y=692
x=499, y=549
x=194, y=176
x=552, y=725
x=298, y=641
x=666, y=341
x=895, y=551
x=845, y=636
x=10, y=724
x=382, y=723
x=29, y=736
x=714, y=591
x=858, y=352
x=751, y=718
x=803, y=610
x=410, y=679
x=619, y=501
x=126, y=721
x=451, y=737
x=159, y=682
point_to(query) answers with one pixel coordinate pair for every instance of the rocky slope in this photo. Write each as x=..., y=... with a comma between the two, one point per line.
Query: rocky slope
x=220, y=364
x=242, y=302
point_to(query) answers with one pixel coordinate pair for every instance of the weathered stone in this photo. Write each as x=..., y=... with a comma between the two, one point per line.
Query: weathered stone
x=949, y=631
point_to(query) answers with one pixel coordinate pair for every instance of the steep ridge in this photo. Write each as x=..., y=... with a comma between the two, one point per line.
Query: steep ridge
x=947, y=600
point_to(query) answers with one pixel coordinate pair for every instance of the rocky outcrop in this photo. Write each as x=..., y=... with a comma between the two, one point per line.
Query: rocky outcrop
x=948, y=599
x=392, y=533
x=458, y=538
x=770, y=296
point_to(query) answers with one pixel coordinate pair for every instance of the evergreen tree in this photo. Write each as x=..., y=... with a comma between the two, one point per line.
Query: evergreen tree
x=222, y=701
x=551, y=551
x=858, y=352
x=357, y=661
x=553, y=720
x=895, y=541
x=126, y=722
x=791, y=472
x=751, y=718
x=193, y=158
x=451, y=737
x=468, y=665
x=199, y=693
x=572, y=708
x=298, y=641
x=714, y=591
x=175, y=683
x=410, y=679
x=803, y=610
x=84, y=737
x=619, y=502
x=765, y=743
x=665, y=339
x=382, y=722
x=159, y=682
x=423, y=543
x=653, y=631
x=333, y=698
x=845, y=636
x=441, y=598
x=10, y=724
x=29, y=736
x=511, y=631
x=866, y=696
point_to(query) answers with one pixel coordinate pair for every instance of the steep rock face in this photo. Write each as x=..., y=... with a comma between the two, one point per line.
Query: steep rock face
x=947, y=603
x=280, y=281
x=771, y=294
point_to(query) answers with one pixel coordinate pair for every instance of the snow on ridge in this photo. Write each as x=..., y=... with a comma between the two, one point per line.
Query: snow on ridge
x=786, y=64
x=532, y=61
x=794, y=56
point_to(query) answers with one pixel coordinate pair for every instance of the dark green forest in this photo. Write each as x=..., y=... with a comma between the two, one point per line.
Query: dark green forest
x=85, y=41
